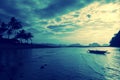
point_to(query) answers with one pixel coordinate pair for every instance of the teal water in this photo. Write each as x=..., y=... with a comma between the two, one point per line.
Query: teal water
x=59, y=64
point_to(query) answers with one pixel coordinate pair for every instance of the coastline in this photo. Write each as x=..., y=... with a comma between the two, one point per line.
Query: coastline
x=28, y=46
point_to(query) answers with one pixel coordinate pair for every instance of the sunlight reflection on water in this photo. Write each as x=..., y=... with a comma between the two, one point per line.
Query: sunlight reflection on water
x=113, y=68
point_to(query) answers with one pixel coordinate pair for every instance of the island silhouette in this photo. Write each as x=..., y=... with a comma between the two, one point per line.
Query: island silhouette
x=115, y=41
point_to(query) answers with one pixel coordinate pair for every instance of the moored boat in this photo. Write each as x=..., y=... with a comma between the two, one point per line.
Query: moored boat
x=98, y=51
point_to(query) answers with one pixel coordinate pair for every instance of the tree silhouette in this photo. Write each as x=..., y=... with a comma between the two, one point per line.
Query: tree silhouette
x=28, y=37
x=115, y=41
x=13, y=26
x=3, y=28
x=20, y=35
x=15, y=32
x=9, y=32
x=23, y=35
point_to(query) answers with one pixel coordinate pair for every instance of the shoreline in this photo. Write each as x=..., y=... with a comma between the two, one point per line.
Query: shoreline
x=30, y=46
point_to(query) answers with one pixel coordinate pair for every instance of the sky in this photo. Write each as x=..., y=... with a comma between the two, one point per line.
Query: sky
x=66, y=21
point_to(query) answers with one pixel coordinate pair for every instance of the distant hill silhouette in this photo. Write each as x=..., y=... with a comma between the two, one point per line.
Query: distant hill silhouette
x=75, y=45
x=115, y=41
x=94, y=44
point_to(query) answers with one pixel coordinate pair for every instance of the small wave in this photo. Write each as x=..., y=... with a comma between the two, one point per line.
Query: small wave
x=113, y=69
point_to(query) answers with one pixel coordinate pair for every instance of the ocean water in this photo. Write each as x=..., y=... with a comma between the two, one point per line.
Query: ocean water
x=59, y=64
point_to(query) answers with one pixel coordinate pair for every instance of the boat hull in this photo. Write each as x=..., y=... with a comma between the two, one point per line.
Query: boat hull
x=97, y=51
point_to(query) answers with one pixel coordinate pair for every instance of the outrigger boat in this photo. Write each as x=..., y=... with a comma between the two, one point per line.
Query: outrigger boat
x=97, y=51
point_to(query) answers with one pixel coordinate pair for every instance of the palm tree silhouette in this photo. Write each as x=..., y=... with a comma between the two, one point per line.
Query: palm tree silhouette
x=9, y=32
x=20, y=35
x=15, y=32
x=23, y=35
x=14, y=25
x=28, y=36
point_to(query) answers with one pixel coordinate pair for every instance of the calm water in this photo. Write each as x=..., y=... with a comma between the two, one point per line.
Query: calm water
x=59, y=64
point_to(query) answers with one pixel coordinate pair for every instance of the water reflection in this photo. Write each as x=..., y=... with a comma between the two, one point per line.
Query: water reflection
x=113, y=68
x=59, y=64
x=11, y=62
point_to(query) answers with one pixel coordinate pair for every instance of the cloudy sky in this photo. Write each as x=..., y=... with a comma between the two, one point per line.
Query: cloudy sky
x=66, y=21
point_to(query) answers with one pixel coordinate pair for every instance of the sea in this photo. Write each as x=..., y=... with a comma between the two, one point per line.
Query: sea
x=70, y=63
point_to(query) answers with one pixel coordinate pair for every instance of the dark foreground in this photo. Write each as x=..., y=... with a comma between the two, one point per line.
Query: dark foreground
x=59, y=64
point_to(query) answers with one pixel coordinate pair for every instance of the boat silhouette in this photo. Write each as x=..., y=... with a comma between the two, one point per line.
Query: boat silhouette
x=98, y=51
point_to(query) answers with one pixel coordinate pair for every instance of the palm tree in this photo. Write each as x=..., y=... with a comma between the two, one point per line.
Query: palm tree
x=13, y=26
x=17, y=25
x=14, y=31
x=9, y=32
x=23, y=35
x=28, y=36
x=20, y=35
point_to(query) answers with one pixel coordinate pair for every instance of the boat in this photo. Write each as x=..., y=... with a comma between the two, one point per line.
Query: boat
x=98, y=51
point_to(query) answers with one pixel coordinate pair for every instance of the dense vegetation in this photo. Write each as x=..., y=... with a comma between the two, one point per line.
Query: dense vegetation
x=13, y=32
x=115, y=41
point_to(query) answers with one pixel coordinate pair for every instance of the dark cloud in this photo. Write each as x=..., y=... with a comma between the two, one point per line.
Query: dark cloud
x=32, y=30
x=28, y=10
x=56, y=28
x=40, y=8
x=58, y=19
x=10, y=7
x=76, y=15
x=62, y=28
x=60, y=7
x=43, y=22
x=89, y=16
